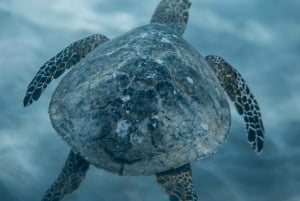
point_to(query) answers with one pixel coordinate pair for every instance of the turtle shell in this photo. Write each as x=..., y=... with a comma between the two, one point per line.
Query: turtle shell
x=141, y=103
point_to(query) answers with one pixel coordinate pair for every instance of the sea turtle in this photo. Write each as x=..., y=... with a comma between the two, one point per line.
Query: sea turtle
x=143, y=103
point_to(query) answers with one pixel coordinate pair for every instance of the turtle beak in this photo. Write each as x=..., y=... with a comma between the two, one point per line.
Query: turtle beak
x=189, y=5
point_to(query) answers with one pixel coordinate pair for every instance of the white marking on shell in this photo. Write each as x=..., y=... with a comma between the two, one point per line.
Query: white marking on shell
x=135, y=139
x=190, y=80
x=125, y=98
x=151, y=75
x=110, y=53
x=165, y=40
x=159, y=61
x=122, y=128
x=204, y=126
x=154, y=125
x=144, y=35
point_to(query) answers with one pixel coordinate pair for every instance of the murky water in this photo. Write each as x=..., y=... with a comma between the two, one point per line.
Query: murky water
x=260, y=38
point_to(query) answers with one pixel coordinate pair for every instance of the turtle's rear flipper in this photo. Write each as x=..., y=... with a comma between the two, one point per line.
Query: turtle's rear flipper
x=178, y=183
x=69, y=179
x=53, y=68
x=238, y=91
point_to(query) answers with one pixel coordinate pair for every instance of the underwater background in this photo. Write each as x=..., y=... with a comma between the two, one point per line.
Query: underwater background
x=259, y=38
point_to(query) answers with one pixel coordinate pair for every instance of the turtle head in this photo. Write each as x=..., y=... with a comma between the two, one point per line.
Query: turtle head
x=174, y=13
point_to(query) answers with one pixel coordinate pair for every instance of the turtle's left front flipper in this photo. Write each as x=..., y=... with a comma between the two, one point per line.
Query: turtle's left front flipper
x=53, y=68
x=238, y=91
x=69, y=178
x=178, y=183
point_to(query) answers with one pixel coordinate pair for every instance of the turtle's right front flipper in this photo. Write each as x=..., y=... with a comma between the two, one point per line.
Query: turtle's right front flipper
x=245, y=103
x=69, y=179
x=53, y=68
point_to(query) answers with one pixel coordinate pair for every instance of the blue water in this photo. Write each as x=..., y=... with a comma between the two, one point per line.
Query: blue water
x=260, y=38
